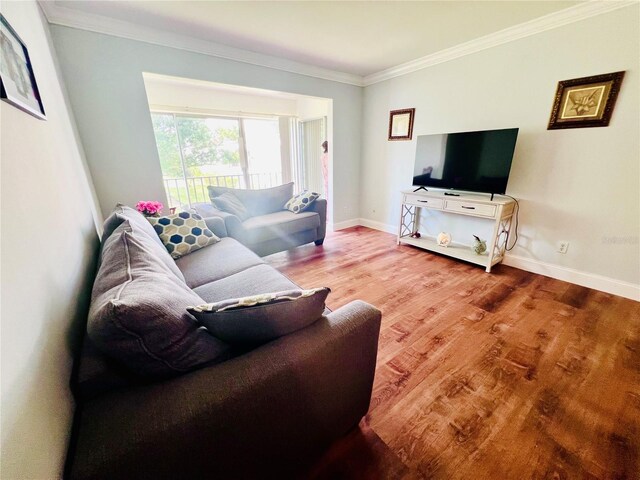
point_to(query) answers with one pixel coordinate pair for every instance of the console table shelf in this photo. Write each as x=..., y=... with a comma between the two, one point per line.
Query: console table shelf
x=499, y=212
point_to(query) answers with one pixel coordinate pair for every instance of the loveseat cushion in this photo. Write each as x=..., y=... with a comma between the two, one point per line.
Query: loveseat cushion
x=257, y=319
x=258, y=202
x=138, y=313
x=225, y=258
x=280, y=224
x=252, y=281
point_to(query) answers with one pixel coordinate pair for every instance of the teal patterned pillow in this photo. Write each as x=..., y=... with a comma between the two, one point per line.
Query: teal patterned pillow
x=183, y=233
x=301, y=201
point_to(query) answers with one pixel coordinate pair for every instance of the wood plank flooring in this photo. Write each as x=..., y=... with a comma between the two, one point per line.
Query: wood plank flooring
x=508, y=375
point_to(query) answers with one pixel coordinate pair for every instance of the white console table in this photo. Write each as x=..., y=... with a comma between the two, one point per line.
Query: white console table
x=498, y=211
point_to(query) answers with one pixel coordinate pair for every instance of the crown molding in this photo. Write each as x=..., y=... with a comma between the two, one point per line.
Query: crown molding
x=557, y=19
x=69, y=17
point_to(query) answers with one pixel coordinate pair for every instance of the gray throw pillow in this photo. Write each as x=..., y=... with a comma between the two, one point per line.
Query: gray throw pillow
x=228, y=202
x=138, y=313
x=257, y=202
x=261, y=318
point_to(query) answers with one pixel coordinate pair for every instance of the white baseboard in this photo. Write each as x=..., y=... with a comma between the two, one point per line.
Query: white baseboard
x=578, y=277
x=354, y=222
x=364, y=222
x=383, y=227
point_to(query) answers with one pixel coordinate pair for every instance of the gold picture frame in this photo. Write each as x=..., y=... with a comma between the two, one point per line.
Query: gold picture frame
x=401, y=124
x=585, y=102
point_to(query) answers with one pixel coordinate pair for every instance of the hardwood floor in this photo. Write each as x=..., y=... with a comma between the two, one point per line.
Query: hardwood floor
x=508, y=375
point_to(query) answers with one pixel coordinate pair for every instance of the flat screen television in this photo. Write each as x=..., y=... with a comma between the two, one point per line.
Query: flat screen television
x=469, y=161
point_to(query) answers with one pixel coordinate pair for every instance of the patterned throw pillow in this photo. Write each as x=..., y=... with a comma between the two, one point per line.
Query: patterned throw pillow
x=301, y=201
x=183, y=233
x=261, y=318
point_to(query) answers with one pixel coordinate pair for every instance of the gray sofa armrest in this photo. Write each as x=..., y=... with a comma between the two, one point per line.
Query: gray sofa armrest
x=272, y=408
x=216, y=225
x=233, y=225
x=320, y=206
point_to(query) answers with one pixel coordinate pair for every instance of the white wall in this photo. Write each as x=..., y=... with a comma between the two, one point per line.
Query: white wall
x=48, y=248
x=104, y=77
x=186, y=96
x=580, y=185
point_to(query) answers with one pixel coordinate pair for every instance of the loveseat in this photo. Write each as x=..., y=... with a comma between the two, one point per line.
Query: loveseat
x=269, y=227
x=253, y=413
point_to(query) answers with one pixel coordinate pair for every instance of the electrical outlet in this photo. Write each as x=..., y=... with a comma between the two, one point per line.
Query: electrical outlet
x=563, y=246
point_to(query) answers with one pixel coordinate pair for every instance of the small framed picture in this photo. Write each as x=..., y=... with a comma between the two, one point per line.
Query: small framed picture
x=401, y=124
x=17, y=82
x=585, y=102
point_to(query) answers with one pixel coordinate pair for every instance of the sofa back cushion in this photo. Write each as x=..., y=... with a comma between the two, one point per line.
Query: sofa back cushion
x=258, y=202
x=121, y=213
x=228, y=202
x=126, y=218
x=138, y=312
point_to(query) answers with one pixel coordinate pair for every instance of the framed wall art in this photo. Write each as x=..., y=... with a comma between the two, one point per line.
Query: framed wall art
x=585, y=102
x=17, y=81
x=401, y=124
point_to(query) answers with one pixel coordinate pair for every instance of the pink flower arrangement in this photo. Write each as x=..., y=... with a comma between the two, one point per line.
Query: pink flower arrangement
x=149, y=209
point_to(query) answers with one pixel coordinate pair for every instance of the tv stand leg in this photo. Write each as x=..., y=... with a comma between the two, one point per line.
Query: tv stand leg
x=420, y=188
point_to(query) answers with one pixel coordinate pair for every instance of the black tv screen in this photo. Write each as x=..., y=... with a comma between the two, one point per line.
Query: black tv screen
x=471, y=161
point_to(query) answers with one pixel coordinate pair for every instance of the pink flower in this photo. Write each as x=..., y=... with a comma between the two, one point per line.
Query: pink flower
x=150, y=208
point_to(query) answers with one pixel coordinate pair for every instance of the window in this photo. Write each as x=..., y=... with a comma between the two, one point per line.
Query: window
x=197, y=151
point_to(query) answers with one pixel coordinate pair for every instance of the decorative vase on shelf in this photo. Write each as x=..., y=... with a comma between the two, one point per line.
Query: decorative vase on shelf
x=479, y=246
x=444, y=239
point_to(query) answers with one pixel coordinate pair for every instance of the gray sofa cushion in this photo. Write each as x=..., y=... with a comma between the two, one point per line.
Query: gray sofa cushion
x=138, y=313
x=280, y=224
x=258, y=319
x=214, y=262
x=252, y=281
x=121, y=213
x=228, y=202
x=258, y=202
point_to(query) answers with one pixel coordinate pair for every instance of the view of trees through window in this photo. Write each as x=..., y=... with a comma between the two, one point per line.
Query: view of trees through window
x=197, y=151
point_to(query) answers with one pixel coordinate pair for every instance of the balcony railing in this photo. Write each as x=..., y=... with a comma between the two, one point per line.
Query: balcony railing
x=176, y=188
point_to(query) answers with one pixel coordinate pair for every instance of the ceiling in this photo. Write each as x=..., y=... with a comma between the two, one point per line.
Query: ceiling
x=359, y=38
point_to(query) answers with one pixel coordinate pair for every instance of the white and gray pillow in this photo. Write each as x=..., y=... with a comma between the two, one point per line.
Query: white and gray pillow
x=300, y=202
x=259, y=319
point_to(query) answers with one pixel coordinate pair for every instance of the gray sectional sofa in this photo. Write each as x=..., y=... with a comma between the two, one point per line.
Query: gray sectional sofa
x=261, y=413
x=270, y=228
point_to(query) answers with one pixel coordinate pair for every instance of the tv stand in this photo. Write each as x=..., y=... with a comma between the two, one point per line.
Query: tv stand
x=420, y=188
x=498, y=212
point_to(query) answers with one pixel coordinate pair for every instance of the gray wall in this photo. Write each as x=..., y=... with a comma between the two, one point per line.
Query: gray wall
x=580, y=185
x=49, y=243
x=104, y=77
